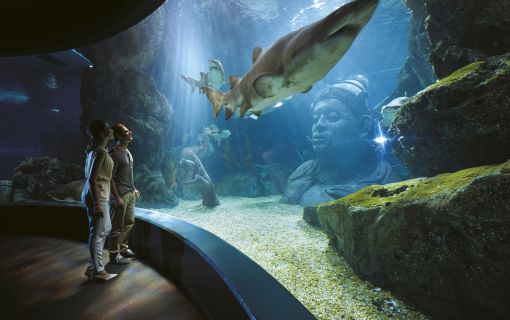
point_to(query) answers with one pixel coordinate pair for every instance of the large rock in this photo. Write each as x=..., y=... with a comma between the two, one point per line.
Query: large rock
x=120, y=89
x=459, y=122
x=34, y=177
x=155, y=193
x=441, y=244
x=417, y=72
x=465, y=32
x=5, y=190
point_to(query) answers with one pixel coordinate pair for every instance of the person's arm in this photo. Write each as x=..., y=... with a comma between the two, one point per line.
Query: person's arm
x=118, y=200
x=93, y=180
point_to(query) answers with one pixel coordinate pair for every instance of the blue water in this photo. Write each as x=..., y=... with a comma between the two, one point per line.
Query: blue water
x=228, y=31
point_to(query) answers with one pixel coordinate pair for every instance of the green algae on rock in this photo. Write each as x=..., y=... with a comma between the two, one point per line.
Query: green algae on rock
x=441, y=244
x=459, y=122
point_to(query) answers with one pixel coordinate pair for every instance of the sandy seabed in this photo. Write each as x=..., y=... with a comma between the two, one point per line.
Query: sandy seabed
x=299, y=256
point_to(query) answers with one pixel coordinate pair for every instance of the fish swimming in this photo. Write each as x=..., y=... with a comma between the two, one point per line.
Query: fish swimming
x=194, y=83
x=388, y=111
x=15, y=97
x=214, y=133
x=216, y=75
x=215, y=78
x=294, y=62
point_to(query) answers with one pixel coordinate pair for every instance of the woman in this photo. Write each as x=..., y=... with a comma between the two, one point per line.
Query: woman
x=95, y=196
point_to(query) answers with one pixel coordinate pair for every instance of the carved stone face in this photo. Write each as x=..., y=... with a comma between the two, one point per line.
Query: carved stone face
x=335, y=128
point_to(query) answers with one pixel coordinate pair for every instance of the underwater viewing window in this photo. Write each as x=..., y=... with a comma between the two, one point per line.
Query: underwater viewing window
x=330, y=141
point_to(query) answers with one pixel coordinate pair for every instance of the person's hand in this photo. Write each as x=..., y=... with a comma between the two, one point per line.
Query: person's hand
x=98, y=211
x=137, y=194
x=119, y=202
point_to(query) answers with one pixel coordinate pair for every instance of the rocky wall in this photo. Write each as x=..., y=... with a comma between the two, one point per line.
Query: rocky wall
x=441, y=244
x=119, y=89
x=459, y=122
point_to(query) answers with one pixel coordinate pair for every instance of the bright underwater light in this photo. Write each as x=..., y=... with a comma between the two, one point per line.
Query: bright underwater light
x=381, y=139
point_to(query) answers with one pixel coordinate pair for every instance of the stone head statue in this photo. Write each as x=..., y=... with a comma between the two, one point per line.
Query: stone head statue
x=341, y=117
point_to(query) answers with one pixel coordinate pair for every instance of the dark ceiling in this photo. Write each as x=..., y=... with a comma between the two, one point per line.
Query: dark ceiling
x=30, y=27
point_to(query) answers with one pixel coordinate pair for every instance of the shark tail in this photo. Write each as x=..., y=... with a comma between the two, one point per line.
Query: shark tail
x=217, y=99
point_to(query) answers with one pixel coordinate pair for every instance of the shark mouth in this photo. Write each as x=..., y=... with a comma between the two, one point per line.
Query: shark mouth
x=344, y=30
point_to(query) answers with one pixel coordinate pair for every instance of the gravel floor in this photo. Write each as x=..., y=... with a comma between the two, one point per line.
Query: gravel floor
x=275, y=236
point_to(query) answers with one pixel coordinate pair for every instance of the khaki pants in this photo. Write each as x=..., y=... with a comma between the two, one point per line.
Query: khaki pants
x=123, y=219
x=99, y=227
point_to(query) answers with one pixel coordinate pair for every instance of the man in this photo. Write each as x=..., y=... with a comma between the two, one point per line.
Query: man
x=346, y=160
x=125, y=195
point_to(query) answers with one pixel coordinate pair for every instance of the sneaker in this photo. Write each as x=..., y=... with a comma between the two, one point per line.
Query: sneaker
x=118, y=259
x=88, y=274
x=128, y=253
x=103, y=276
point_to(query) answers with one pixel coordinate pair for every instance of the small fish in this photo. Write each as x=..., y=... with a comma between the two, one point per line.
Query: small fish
x=53, y=110
x=214, y=78
x=15, y=97
x=388, y=111
x=216, y=134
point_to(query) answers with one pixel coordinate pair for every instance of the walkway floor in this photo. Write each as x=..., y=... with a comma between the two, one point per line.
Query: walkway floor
x=42, y=278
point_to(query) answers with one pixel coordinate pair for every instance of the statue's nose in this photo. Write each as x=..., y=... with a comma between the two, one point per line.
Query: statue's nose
x=320, y=124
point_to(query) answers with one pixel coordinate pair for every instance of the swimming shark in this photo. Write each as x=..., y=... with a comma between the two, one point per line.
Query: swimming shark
x=294, y=62
x=215, y=78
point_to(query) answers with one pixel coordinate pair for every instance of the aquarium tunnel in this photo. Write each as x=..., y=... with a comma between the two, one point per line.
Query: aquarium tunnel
x=255, y=159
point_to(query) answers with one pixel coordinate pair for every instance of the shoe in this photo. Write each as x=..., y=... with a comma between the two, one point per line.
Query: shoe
x=103, y=276
x=128, y=253
x=118, y=259
x=88, y=274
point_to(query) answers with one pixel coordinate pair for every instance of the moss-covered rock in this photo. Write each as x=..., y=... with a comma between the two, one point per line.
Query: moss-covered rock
x=459, y=122
x=5, y=190
x=155, y=193
x=441, y=244
x=34, y=177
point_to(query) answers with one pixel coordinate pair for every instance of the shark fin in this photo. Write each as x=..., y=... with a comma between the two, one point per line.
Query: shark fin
x=255, y=54
x=244, y=107
x=234, y=80
x=307, y=89
x=228, y=114
x=268, y=84
x=217, y=99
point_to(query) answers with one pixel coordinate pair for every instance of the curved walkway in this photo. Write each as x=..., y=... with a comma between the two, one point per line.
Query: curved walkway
x=42, y=278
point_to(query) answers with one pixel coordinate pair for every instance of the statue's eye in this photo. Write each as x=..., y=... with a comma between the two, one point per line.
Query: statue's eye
x=333, y=116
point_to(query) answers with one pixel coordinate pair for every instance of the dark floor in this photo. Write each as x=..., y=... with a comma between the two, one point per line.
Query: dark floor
x=42, y=278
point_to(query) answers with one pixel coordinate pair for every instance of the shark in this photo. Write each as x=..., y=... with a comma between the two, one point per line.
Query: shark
x=214, y=78
x=294, y=62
